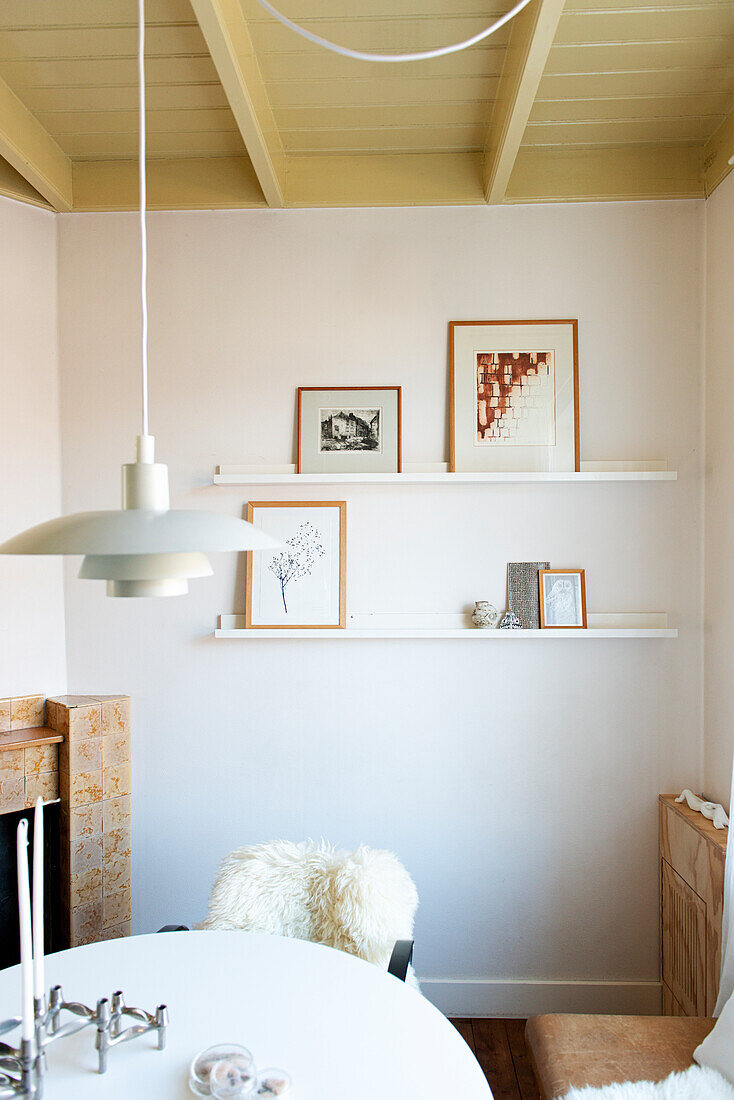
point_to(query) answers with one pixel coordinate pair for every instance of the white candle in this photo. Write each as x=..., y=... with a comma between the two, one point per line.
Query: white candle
x=39, y=979
x=26, y=946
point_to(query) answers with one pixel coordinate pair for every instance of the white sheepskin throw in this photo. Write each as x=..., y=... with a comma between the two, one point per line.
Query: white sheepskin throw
x=695, y=1083
x=360, y=902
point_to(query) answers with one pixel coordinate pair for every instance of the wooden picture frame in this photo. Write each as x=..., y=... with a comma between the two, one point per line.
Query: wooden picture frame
x=253, y=570
x=578, y=600
x=466, y=453
x=311, y=459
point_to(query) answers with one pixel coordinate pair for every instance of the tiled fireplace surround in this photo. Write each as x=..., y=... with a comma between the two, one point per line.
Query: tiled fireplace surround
x=77, y=748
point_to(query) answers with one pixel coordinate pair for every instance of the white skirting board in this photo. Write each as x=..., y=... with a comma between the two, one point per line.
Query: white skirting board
x=509, y=997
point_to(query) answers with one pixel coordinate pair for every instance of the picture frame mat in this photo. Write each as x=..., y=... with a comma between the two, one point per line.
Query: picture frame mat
x=252, y=508
x=389, y=460
x=581, y=574
x=469, y=338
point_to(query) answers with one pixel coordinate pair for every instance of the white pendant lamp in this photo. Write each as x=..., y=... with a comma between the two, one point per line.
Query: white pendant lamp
x=146, y=548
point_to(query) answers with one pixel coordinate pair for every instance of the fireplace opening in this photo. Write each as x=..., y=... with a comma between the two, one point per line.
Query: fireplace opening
x=55, y=919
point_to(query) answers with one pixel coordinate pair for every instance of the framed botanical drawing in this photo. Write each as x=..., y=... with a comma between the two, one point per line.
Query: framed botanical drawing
x=562, y=598
x=349, y=430
x=514, y=396
x=305, y=584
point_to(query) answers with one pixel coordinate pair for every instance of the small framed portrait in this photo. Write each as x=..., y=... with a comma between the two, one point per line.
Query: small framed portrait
x=562, y=598
x=514, y=396
x=349, y=430
x=304, y=584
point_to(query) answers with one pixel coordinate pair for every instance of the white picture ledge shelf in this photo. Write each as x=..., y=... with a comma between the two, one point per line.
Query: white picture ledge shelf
x=437, y=474
x=625, y=625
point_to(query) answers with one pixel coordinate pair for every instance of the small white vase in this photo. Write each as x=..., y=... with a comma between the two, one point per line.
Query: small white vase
x=484, y=614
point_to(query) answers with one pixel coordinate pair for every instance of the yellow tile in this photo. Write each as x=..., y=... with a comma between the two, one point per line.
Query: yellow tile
x=119, y=930
x=86, y=887
x=115, y=749
x=116, y=781
x=72, y=701
x=116, y=717
x=84, y=787
x=27, y=711
x=86, y=854
x=85, y=721
x=86, y=923
x=116, y=908
x=64, y=756
x=117, y=874
x=86, y=821
x=116, y=844
x=12, y=795
x=4, y=715
x=45, y=786
x=85, y=754
x=11, y=764
x=57, y=717
x=116, y=813
x=41, y=758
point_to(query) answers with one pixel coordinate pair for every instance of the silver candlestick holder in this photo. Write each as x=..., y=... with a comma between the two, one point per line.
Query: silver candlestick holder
x=23, y=1068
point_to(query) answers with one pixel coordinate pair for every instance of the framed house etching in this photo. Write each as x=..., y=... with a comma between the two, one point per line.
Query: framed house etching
x=349, y=430
x=305, y=584
x=514, y=396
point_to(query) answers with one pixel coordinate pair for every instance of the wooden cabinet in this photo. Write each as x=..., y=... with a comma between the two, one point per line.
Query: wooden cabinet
x=692, y=855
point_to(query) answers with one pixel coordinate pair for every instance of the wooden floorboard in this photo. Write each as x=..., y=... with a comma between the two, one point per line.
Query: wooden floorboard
x=492, y=1049
x=499, y=1046
x=524, y=1071
x=464, y=1029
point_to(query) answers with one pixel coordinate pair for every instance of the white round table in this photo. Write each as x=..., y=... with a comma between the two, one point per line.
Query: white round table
x=342, y=1028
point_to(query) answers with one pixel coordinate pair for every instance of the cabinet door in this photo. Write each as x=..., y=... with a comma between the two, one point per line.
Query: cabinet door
x=683, y=942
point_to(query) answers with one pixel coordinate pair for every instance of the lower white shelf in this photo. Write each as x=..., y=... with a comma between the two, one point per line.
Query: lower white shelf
x=623, y=625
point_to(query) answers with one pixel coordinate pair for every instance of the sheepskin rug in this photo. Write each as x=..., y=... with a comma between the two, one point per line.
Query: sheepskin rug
x=360, y=902
x=696, y=1083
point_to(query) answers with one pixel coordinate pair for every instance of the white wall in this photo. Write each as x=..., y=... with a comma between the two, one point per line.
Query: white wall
x=32, y=646
x=518, y=783
x=719, y=608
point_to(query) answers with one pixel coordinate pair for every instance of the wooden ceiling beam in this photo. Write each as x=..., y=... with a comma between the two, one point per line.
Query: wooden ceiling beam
x=225, y=30
x=531, y=37
x=32, y=151
x=716, y=153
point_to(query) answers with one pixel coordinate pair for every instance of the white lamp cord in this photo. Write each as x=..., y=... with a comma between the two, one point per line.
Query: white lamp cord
x=319, y=41
x=425, y=55
x=143, y=198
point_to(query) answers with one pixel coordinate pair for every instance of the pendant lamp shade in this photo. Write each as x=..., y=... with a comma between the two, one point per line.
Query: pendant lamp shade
x=145, y=574
x=146, y=548
x=139, y=531
x=144, y=567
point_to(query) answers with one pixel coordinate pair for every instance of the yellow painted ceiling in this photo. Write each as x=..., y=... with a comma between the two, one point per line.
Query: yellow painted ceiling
x=618, y=91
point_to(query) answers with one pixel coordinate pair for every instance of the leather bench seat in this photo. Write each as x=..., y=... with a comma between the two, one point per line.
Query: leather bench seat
x=571, y=1051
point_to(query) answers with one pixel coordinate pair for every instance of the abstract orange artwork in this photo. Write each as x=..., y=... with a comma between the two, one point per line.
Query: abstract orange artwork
x=515, y=398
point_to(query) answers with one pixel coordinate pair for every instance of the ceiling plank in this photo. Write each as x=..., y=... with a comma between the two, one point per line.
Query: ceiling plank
x=33, y=152
x=418, y=179
x=188, y=183
x=716, y=153
x=608, y=174
x=228, y=39
x=531, y=38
